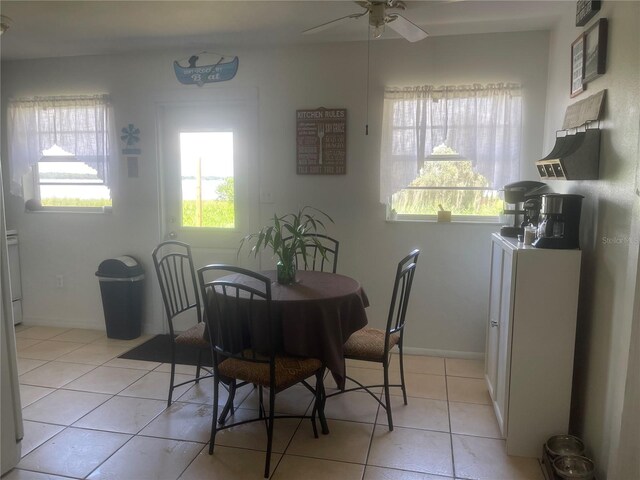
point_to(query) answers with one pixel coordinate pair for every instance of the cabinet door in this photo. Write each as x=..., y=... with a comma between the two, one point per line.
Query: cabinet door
x=504, y=339
x=495, y=291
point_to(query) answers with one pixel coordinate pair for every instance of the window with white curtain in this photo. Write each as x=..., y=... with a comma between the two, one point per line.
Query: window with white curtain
x=453, y=146
x=63, y=144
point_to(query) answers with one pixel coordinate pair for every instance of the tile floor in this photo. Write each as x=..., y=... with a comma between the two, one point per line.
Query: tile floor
x=88, y=414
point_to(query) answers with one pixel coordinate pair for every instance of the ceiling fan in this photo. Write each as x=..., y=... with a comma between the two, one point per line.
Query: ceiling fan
x=381, y=14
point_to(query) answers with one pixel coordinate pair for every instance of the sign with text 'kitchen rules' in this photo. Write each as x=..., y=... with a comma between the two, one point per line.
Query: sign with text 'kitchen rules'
x=321, y=141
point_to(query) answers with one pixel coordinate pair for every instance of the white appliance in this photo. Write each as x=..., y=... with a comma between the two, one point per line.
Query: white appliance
x=14, y=275
x=11, y=430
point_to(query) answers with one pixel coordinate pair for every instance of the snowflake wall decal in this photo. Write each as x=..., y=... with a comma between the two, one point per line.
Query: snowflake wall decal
x=131, y=136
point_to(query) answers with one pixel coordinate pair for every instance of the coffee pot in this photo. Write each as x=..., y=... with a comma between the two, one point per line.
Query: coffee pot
x=519, y=208
x=559, y=221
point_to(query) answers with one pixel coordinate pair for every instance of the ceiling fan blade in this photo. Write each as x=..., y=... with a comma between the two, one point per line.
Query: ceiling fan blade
x=331, y=23
x=406, y=28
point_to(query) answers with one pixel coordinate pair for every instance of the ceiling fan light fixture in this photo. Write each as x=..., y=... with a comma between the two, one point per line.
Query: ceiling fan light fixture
x=379, y=15
x=378, y=31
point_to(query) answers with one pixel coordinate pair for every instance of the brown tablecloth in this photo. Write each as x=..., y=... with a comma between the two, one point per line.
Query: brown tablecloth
x=317, y=315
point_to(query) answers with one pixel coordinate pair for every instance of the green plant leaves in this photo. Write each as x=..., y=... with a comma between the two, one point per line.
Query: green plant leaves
x=287, y=234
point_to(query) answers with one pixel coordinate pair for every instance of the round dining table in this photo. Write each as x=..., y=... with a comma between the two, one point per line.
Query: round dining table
x=316, y=315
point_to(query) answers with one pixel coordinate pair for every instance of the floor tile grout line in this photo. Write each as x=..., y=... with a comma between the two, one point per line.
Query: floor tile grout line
x=373, y=432
x=37, y=471
x=131, y=437
x=453, y=460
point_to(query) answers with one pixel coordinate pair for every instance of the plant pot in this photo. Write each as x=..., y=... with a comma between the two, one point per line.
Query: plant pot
x=286, y=273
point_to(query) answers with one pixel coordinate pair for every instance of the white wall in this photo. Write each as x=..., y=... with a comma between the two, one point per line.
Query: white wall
x=609, y=228
x=449, y=304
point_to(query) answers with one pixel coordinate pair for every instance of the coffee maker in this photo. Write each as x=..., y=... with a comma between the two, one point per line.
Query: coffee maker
x=559, y=223
x=521, y=206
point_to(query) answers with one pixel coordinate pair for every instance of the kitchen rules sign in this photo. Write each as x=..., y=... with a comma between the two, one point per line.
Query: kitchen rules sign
x=321, y=141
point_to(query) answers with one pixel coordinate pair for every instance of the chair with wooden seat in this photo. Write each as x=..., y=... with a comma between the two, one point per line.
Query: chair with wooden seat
x=244, y=345
x=321, y=253
x=374, y=345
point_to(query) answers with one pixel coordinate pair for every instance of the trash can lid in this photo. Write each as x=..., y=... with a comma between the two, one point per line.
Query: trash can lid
x=120, y=267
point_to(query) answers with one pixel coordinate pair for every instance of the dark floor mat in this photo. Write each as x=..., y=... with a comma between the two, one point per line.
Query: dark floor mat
x=158, y=349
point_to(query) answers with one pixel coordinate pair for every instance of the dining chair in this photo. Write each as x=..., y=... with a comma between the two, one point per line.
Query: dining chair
x=244, y=346
x=180, y=294
x=177, y=279
x=321, y=253
x=374, y=345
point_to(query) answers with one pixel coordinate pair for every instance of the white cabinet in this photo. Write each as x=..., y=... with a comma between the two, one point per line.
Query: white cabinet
x=533, y=301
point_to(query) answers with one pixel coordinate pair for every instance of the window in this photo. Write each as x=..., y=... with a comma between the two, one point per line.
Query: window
x=64, y=143
x=206, y=165
x=452, y=146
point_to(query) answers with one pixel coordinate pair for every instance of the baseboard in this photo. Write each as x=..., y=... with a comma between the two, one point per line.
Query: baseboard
x=444, y=353
x=152, y=329
x=63, y=323
x=147, y=328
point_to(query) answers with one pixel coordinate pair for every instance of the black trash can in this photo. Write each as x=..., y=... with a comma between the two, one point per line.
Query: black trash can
x=121, y=285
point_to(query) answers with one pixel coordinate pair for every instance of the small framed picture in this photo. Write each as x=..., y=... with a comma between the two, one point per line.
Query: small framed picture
x=577, y=66
x=595, y=50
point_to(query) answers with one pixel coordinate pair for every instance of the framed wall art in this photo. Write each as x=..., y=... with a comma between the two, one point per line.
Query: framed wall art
x=585, y=11
x=321, y=141
x=577, y=66
x=595, y=50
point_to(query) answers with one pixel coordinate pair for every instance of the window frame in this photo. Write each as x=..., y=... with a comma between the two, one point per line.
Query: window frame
x=36, y=181
x=62, y=130
x=414, y=125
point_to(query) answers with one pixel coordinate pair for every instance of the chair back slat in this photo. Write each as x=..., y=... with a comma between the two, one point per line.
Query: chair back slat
x=400, y=296
x=313, y=259
x=177, y=279
x=238, y=313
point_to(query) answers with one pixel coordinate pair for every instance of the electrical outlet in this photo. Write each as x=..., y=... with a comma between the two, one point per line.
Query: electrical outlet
x=59, y=281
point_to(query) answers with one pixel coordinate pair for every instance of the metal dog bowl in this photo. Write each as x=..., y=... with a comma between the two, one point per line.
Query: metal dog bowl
x=561, y=445
x=574, y=467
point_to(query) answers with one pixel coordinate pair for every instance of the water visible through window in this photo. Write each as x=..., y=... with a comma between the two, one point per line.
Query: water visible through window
x=206, y=166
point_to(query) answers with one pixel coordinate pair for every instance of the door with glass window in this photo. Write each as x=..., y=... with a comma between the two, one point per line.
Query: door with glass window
x=208, y=176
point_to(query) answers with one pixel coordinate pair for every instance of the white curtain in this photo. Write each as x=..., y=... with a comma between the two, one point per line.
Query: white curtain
x=483, y=123
x=79, y=125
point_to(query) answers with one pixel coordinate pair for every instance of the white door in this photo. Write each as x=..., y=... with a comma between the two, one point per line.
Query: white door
x=209, y=169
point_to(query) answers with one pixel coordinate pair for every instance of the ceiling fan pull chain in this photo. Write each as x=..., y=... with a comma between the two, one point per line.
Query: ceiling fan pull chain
x=366, y=128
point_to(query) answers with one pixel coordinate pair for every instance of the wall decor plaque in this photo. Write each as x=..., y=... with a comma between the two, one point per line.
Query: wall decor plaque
x=321, y=141
x=595, y=50
x=206, y=67
x=577, y=66
x=585, y=10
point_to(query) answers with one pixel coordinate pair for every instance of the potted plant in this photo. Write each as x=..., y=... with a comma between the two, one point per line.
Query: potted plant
x=287, y=236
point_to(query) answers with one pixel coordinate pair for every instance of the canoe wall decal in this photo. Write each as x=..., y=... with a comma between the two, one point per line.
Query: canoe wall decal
x=221, y=71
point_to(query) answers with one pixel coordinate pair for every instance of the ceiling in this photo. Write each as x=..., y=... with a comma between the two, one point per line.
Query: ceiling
x=41, y=29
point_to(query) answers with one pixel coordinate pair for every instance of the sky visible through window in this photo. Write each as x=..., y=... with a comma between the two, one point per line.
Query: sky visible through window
x=215, y=149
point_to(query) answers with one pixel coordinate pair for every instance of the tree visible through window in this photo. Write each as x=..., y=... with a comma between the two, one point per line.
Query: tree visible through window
x=451, y=146
x=439, y=183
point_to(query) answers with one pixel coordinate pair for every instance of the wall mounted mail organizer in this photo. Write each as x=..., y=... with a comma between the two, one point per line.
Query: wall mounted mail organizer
x=576, y=153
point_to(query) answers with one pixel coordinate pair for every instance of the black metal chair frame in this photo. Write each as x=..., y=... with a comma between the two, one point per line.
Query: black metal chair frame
x=395, y=324
x=229, y=341
x=320, y=249
x=171, y=270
